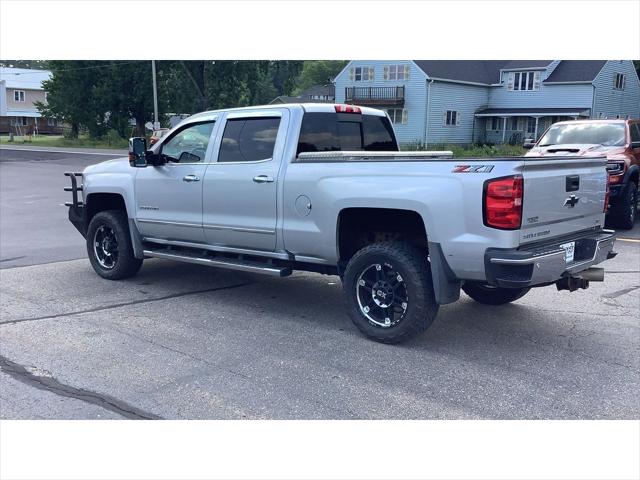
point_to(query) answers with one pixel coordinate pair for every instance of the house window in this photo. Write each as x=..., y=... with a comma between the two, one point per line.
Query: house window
x=19, y=121
x=452, y=118
x=18, y=95
x=398, y=115
x=52, y=122
x=531, y=125
x=495, y=124
x=514, y=123
x=362, y=74
x=619, y=81
x=396, y=72
x=524, y=81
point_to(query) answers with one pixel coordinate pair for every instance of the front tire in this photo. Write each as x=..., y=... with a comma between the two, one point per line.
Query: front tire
x=388, y=291
x=109, y=246
x=488, y=295
x=624, y=213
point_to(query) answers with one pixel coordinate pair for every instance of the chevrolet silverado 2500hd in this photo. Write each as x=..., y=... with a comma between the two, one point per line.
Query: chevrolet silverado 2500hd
x=323, y=188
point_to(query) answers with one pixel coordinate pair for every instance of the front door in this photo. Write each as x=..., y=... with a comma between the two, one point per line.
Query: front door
x=240, y=187
x=169, y=197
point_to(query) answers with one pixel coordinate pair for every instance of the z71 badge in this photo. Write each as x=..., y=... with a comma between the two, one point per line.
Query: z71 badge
x=472, y=169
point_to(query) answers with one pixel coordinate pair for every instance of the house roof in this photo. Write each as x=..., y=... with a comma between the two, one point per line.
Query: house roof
x=24, y=78
x=488, y=71
x=476, y=71
x=319, y=90
x=576, y=71
x=306, y=96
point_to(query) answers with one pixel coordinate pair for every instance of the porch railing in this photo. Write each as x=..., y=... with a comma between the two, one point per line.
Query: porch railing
x=375, y=95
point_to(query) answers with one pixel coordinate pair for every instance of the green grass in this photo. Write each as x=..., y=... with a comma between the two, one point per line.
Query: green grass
x=478, y=151
x=60, y=141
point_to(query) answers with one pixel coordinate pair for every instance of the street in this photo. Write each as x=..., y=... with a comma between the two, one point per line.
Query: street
x=182, y=341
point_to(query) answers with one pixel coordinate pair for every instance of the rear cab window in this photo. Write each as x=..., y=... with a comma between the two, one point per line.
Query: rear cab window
x=329, y=131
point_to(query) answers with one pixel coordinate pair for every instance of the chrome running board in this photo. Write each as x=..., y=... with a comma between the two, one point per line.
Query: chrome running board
x=232, y=264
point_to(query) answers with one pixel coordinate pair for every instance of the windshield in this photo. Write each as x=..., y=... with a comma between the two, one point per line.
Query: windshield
x=608, y=134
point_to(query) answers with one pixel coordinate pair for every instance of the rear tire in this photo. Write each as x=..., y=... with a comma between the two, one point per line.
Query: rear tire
x=488, y=295
x=109, y=246
x=624, y=213
x=388, y=291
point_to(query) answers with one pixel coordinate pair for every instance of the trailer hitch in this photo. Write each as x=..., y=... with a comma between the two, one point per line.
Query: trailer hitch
x=580, y=280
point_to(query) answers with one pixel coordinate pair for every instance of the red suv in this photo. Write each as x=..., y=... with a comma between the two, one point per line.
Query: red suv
x=619, y=141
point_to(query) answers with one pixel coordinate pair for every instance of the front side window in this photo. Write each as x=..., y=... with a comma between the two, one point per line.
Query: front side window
x=18, y=95
x=618, y=81
x=249, y=139
x=452, y=118
x=635, y=132
x=189, y=145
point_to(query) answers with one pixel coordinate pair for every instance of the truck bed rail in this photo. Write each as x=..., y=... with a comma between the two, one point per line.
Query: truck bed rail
x=359, y=156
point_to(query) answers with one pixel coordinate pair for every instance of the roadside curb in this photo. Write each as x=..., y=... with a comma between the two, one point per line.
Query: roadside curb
x=76, y=151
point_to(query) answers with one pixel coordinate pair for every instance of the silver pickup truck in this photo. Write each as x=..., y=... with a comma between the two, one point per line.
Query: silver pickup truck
x=324, y=188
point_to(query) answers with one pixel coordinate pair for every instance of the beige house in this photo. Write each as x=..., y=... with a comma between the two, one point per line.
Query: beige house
x=20, y=89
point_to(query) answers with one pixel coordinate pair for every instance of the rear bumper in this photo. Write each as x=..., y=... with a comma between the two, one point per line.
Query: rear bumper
x=544, y=264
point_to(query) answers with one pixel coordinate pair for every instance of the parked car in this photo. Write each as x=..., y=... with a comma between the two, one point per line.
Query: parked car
x=157, y=135
x=323, y=188
x=619, y=140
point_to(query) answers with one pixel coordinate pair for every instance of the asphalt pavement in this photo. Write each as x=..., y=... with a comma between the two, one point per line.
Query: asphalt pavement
x=193, y=342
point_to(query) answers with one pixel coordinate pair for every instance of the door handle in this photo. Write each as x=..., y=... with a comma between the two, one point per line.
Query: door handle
x=191, y=178
x=263, y=179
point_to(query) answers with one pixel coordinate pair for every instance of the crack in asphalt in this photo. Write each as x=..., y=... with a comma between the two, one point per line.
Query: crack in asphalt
x=619, y=293
x=125, y=304
x=50, y=384
x=12, y=258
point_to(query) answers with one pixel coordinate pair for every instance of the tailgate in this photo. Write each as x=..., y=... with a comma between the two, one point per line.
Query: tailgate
x=561, y=196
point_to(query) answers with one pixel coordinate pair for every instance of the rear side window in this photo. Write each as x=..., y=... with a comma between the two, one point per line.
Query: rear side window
x=325, y=132
x=248, y=139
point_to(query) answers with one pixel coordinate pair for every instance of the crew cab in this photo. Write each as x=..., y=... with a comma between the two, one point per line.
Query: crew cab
x=619, y=141
x=324, y=188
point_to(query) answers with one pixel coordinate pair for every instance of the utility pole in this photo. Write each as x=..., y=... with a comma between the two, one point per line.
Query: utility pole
x=155, y=95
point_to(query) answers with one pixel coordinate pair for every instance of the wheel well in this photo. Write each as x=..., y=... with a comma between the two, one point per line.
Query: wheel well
x=99, y=202
x=358, y=227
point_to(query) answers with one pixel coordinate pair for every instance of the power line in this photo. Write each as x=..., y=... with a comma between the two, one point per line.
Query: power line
x=110, y=65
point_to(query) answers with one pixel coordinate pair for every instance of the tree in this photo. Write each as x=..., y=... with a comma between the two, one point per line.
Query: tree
x=71, y=95
x=319, y=72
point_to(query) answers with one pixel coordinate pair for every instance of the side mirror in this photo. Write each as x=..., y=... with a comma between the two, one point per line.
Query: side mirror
x=138, y=152
x=635, y=144
x=529, y=144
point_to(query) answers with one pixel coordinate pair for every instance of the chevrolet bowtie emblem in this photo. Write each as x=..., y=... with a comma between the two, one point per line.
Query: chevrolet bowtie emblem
x=571, y=201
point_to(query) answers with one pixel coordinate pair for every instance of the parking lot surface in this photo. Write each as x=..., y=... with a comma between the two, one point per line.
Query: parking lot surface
x=186, y=341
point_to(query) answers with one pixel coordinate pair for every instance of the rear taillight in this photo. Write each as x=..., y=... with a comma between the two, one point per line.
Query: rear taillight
x=503, y=202
x=347, y=109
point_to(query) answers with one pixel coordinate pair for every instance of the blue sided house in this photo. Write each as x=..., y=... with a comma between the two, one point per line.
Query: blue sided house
x=488, y=101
